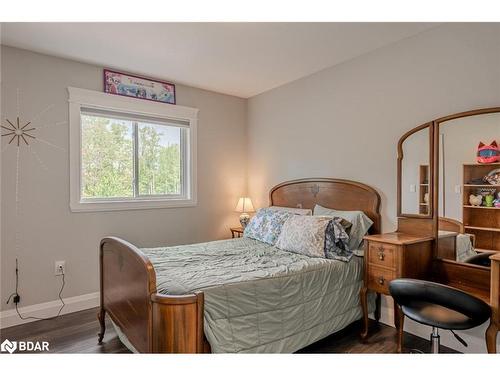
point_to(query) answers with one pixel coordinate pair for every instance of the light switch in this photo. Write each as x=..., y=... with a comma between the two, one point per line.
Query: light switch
x=458, y=189
x=413, y=188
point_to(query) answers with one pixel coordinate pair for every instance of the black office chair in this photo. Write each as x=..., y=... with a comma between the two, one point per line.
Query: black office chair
x=438, y=306
x=481, y=259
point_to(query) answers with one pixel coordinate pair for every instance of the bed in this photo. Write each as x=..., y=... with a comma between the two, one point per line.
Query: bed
x=253, y=298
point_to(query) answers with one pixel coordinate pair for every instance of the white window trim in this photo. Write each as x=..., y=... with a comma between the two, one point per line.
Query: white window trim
x=87, y=98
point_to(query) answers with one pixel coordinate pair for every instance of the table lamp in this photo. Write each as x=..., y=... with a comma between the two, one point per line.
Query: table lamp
x=244, y=206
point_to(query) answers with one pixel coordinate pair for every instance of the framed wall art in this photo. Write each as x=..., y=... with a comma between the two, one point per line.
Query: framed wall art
x=138, y=87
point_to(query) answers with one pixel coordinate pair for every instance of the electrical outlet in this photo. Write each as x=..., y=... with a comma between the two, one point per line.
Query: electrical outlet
x=59, y=267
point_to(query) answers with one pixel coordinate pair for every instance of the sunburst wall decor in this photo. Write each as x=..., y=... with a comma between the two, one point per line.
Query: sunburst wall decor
x=19, y=132
x=22, y=134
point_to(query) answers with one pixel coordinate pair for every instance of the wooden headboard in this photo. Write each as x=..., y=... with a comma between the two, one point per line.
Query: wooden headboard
x=450, y=225
x=333, y=193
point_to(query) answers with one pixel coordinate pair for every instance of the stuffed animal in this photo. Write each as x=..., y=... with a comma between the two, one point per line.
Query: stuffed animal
x=488, y=200
x=496, y=202
x=493, y=177
x=488, y=153
x=475, y=200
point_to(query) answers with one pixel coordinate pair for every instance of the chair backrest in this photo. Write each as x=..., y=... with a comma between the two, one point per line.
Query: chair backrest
x=408, y=291
x=481, y=259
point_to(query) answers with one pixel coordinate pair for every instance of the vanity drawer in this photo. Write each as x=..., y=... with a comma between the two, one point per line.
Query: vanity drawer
x=379, y=278
x=382, y=254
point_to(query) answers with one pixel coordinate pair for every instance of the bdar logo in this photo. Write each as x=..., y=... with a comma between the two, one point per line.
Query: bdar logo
x=24, y=346
x=8, y=346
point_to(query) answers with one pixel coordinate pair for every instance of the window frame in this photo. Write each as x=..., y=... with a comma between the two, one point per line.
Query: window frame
x=82, y=98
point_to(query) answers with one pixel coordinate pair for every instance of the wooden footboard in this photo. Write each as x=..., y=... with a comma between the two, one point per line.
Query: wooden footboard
x=178, y=324
x=152, y=322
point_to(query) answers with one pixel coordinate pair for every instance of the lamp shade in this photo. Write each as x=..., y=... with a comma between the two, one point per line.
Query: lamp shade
x=244, y=205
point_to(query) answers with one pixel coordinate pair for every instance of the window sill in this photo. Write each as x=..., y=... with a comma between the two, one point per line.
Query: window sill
x=142, y=204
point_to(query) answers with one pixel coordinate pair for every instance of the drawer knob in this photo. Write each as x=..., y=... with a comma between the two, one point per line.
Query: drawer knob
x=381, y=254
x=381, y=280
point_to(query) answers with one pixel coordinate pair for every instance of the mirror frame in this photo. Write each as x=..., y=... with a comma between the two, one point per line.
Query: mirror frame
x=472, y=278
x=437, y=125
x=430, y=214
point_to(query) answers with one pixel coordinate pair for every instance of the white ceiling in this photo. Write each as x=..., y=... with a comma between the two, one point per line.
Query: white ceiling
x=241, y=59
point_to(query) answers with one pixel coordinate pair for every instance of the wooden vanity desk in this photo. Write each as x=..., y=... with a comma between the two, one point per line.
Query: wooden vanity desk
x=477, y=281
x=430, y=244
x=391, y=256
x=395, y=255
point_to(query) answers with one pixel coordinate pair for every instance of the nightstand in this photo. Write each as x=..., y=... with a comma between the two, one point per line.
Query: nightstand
x=236, y=232
x=392, y=256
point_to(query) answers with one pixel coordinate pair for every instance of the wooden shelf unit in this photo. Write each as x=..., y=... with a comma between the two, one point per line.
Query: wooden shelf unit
x=423, y=188
x=481, y=207
x=481, y=221
x=482, y=186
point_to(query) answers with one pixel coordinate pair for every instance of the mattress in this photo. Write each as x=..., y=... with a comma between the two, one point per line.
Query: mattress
x=258, y=298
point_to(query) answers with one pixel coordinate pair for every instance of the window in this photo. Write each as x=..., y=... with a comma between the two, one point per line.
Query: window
x=131, y=154
x=123, y=157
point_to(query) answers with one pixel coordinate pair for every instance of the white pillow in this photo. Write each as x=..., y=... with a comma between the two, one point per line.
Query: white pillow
x=360, y=223
x=304, y=234
x=292, y=210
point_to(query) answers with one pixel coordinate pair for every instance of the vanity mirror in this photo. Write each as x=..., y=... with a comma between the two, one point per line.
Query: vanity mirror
x=468, y=201
x=415, y=173
x=448, y=194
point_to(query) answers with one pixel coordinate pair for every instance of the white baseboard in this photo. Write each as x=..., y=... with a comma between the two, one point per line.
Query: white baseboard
x=473, y=337
x=9, y=318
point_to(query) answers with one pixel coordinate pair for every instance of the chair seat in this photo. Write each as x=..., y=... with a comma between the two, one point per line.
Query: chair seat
x=437, y=316
x=438, y=305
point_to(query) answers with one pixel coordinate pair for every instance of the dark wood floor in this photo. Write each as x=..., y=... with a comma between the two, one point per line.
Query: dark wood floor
x=77, y=333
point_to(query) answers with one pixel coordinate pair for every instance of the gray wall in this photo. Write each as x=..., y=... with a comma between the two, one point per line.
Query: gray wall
x=415, y=153
x=345, y=121
x=51, y=232
x=341, y=122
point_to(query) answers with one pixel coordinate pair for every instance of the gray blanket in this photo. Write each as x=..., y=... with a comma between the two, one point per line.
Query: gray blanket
x=259, y=298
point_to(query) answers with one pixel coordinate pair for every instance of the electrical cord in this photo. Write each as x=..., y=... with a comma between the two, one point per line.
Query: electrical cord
x=12, y=295
x=16, y=299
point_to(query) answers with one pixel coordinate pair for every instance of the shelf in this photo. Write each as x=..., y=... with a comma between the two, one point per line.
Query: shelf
x=424, y=204
x=482, y=207
x=481, y=221
x=481, y=165
x=482, y=186
x=482, y=228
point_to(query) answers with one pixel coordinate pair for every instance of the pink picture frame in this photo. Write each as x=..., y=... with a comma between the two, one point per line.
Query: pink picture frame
x=124, y=84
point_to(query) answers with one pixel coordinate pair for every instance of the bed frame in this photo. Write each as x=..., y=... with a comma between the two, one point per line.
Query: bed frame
x=159, y=323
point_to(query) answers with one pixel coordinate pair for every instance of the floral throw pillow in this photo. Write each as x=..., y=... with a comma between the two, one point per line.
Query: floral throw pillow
x=266, y=225
x=304, y=235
